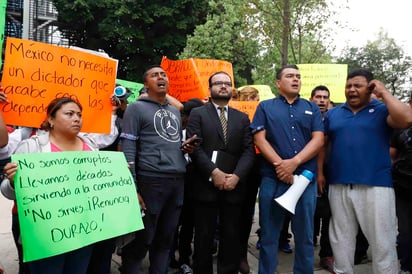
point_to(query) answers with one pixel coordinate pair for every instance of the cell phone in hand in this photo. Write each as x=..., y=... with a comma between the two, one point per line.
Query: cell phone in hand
x=195, y=142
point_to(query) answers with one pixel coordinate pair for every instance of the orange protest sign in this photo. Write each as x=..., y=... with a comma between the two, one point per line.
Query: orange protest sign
x=35, y=73
x=249, y=107
x=188, y=77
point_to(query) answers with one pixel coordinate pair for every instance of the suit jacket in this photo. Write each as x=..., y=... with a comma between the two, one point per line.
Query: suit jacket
x=235, y=156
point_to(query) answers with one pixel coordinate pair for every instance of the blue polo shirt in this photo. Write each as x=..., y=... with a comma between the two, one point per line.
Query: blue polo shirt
x=288, y=128
x=359, y=145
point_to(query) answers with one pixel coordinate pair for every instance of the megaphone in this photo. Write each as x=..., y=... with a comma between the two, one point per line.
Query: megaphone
x=290, y=198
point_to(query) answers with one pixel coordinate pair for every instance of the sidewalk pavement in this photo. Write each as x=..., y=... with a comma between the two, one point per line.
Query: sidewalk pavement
x=9, y=262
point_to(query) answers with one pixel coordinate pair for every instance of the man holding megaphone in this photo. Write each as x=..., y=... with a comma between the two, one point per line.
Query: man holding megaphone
x=288, y=131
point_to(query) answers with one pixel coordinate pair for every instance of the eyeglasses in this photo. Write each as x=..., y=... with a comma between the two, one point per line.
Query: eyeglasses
x=221, y=83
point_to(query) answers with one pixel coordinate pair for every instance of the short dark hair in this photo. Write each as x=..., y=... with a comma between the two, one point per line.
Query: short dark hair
x=216, y=73
x=320, y=87
x=279, y=72
x=361, y=72
x=147, y=70
x=191, y=104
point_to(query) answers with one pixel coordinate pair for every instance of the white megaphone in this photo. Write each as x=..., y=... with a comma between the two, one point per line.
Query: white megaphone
x=290, y=198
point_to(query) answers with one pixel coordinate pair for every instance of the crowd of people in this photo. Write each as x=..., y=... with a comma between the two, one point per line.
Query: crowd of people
x=199, y=167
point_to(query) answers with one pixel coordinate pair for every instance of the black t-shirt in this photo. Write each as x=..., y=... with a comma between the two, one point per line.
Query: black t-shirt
x=402, y=168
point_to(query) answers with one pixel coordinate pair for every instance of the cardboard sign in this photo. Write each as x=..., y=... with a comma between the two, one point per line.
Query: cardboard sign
x=67, y=200
x=188, y=78
x=248, y=107
x=35, y=73
x=333, y=76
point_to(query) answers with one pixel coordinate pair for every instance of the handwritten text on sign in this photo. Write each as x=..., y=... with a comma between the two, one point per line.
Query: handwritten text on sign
x=331, y=75
x=36, y=73
x=67, y=200
x=188, y=78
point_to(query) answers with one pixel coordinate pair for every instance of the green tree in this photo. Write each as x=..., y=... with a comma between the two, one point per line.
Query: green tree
x=223, y=37
x=297, y=29
x=386, y=60
x=136, y=32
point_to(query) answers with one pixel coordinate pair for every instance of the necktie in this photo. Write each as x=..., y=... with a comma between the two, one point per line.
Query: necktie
x=223, y=121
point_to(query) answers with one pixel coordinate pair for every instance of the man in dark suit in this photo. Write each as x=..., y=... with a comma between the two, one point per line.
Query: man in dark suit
x=222, y=163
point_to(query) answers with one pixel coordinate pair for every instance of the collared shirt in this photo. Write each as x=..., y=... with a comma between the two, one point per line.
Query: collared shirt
x=359, y=145
x=218, y=110
x=289, y=127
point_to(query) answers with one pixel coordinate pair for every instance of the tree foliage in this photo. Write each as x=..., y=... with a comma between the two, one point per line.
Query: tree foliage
x=249, y=34
x=386, y=60
x=136, y=32
x=307, y=33
x=223, y=37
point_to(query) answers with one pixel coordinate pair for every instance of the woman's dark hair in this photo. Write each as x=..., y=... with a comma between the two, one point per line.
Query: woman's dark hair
x=54, y=106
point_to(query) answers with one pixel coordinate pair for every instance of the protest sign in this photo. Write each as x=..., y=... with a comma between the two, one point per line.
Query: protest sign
x=133, y=86
x=188, y=78
x=331, y=75
x=249, y=107
x=67, y=200
x=35, y=73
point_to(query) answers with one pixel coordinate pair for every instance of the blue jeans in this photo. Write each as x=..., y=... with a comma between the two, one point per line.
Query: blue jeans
x=271, y=217
x=75, y=261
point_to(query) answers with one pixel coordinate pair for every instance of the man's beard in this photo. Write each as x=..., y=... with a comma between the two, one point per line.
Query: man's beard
x=217, y=96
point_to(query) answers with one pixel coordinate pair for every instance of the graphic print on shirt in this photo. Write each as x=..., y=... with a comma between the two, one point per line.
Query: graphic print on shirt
x=166, y=125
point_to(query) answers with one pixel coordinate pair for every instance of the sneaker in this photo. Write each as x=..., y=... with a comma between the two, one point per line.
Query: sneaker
x=327, y=264
x=185, y=269
x=286, y=248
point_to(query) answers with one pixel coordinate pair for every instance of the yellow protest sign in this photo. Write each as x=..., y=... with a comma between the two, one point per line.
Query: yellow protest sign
x=188, y=78
x=67, y=200
x=331, y=75
x=35, y=73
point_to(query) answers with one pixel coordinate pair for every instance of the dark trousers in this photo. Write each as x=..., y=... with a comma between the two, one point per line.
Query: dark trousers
x=15, y=228
x=284, y=233
x=186, y=232
x=75, y=261
x=229, y=237
x=101, y=259
x=404, y=213
x=322, y=219
x=163, y=198
x=248, y=207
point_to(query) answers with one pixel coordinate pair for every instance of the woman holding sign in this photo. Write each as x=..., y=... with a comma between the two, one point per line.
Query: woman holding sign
x=62, y=125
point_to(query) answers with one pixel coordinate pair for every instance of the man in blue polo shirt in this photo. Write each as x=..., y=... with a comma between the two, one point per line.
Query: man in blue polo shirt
x=289, y=134
x=359, y=171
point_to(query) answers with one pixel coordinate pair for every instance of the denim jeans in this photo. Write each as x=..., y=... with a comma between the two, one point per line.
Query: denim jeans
x=75, y=261
x=271, y=218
